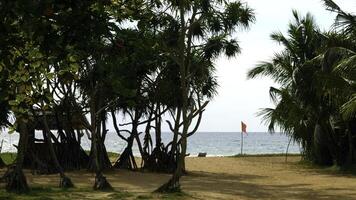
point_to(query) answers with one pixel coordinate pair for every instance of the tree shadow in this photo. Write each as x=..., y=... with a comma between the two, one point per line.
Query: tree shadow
x=242, y=186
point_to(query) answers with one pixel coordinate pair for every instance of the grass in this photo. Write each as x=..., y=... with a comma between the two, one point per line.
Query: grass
x=53, y=193
x=176, y=196
x=334, y=169
x=47, y=193
x=265, y=155
x=112, y=155
x=168, y=196
x=8, y=157
x=144, y=197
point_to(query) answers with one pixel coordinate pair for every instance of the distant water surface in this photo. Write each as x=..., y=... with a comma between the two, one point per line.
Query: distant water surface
x=213, y=143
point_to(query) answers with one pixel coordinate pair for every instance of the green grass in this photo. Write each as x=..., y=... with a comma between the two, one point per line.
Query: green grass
x=145, y=197
x=120, y=195
x=176, y=196
x=334, y=169
x=265, y=155
x=47, y=193
x=8, y=157
x=113, y=156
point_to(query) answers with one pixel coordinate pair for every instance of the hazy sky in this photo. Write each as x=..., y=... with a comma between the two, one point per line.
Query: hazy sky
x=239, y=98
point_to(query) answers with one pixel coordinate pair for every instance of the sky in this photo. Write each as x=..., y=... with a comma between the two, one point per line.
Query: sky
x=240, y=99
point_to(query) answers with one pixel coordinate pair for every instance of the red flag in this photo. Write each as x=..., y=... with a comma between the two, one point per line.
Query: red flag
x=243, y=127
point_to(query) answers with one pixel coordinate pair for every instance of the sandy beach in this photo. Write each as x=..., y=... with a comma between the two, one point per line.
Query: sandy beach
x=265, y=177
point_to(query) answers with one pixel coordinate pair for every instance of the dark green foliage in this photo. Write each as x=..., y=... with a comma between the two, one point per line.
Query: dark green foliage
x=193, y=34
x=314, y=90
x=63, y=61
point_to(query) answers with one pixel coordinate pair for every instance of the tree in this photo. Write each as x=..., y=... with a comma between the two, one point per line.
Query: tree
x=346, y=26
x=193, y=29
x=314, y=88
x=36, y=36
x=296, y=100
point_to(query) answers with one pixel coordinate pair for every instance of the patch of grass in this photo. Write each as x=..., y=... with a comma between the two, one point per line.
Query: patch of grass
x=334, y=169
x=265, y=155
x=351, y=169
x=176, y=196
x=44, y=198
x=8, y=157
x=34, y=194
x=120, y=195
x=48, y=193
x=112, y=155
x=144, y=197
x=4, y=195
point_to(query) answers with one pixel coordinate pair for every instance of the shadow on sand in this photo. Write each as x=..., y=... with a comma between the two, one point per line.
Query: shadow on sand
x=241, y=186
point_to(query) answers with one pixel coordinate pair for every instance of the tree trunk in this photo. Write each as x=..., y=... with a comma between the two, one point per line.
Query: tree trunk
x=158, y=129
x=350, y=133
x=101, y=182
x=15, y=178
x=321, y=150
x=126, y=159
x=65, y=182
x=103, y=158
x=174, y=152
x=173, y=184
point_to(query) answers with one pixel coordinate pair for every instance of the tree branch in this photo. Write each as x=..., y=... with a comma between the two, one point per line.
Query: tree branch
x=117, y=127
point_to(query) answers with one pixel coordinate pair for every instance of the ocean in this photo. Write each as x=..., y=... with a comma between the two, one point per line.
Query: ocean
x=212, y=143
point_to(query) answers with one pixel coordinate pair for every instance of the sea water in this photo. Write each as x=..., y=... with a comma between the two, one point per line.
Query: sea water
x=212, y=143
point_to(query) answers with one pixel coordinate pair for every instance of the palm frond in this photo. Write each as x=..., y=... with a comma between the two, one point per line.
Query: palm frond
x=347, y=68
x=348, y=110
x=262, y=69
x=331, y=6
x=344, y=21
x=275, y=94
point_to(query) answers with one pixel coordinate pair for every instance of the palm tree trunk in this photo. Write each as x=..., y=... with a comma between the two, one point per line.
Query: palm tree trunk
x=351, y=132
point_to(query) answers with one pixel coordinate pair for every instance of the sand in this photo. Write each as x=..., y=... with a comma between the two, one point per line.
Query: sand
x=229, y=178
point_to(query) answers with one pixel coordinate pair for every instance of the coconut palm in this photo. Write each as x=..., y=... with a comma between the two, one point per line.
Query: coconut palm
x=297, y=102
x=345, y=24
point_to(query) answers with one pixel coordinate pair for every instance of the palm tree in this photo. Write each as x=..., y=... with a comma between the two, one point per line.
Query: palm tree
x=345, y=24
x=340, y=60
x=297, y=102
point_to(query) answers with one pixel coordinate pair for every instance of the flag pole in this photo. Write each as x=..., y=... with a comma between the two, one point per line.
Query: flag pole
x=242, y=142
x=243, y=130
